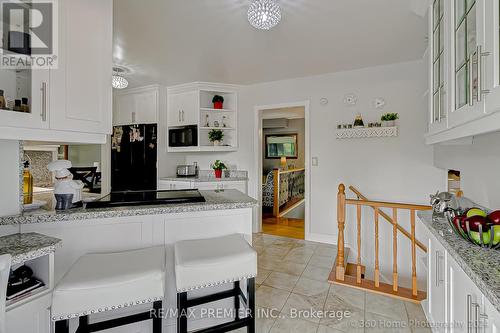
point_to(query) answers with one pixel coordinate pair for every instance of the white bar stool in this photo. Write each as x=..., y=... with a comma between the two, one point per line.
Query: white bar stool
x=209, y=262
x=102, y=282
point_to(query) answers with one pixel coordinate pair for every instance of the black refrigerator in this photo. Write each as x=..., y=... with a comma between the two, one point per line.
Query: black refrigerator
x=133, y=157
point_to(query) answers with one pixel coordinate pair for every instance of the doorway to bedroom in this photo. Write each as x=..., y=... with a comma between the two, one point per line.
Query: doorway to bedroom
x=283, y=154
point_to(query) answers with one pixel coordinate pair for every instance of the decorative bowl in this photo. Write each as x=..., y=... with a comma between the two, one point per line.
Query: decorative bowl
x=485, y=238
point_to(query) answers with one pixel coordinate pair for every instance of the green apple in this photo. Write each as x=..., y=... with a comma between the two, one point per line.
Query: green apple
x=476, y=212
x=496, y=234
x=476, y=238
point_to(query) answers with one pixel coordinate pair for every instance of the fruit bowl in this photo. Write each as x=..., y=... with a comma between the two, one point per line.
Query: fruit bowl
x=477, y=229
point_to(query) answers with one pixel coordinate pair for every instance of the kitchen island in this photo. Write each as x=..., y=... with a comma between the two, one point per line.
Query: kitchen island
x=115, y=229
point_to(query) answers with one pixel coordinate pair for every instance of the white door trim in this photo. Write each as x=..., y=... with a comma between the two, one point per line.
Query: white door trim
x=258, y=142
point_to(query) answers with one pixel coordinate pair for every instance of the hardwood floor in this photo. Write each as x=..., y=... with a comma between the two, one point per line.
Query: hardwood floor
x=282, y=226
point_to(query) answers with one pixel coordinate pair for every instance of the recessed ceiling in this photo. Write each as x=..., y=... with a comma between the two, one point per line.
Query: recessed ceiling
x=178, y=41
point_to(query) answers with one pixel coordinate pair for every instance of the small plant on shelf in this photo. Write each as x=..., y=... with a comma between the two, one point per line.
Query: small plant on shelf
x=389, y=119
x=215, y=136
x=218, y=102
x=218, y=166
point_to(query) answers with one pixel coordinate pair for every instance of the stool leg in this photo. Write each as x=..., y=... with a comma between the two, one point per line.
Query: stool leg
x=182, y=313
x=83, y=324
x=251, y=305
x=237, y=299
x=62, y=326
x=157, y=318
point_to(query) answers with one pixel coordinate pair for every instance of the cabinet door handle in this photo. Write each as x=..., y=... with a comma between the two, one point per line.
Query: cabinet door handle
x=44, y=101
x=439, y=278
x=469, y=314
x=179, y=115
x=182, y=113
x=480, y=55
x=133, y=117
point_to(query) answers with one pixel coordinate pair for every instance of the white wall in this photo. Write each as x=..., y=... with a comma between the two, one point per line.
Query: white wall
x=479, y=165
x=9, y=178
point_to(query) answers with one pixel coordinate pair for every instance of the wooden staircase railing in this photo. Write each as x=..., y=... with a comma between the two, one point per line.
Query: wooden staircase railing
x=343, y=275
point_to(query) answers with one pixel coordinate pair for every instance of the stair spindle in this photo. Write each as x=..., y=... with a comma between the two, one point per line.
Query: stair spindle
x=377, y=267
x=358, y=268
x=340, y=268
x=413, y=254
x=395, y=250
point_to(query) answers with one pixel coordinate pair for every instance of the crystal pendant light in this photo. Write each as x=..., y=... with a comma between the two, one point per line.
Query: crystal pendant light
x=118, y=81
x=264, y=14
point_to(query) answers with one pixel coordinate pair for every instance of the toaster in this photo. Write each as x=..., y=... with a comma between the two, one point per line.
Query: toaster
x=190, y=170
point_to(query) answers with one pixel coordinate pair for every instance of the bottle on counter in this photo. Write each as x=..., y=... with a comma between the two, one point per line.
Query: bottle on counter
x=24, y=105
x=17, y=105
x=27, y=184
x=3, y=104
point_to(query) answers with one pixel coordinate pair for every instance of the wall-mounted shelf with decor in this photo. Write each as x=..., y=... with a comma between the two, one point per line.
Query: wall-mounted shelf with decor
x=367, y=132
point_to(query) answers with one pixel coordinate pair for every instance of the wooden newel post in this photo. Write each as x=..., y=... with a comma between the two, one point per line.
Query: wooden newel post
x=340, y=269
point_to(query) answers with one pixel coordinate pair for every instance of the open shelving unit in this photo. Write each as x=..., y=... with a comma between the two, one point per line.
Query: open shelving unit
x=209, y=118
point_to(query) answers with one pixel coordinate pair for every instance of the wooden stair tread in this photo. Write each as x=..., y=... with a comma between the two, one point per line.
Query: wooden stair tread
x=404, y=294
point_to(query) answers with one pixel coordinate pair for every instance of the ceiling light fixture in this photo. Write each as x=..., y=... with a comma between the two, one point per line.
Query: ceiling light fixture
x=264, y=14
x=118, y=81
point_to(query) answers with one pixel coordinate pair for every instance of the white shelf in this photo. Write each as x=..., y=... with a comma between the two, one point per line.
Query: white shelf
x=367, y=132
x=220, y=128
x=216, y=110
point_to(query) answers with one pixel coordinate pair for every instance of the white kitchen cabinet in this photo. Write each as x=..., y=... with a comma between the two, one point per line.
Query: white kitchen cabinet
x=191, y=105
x=32, y=317
x=26, y=83
x=439, y=49
x=437, y=293
x=493, y=318
x=137, y=106
x=183, y=109
x=492, y=60
x=466, y=302
x=222, y=185
x=174, y=185
x=73, y=102
x=80, y=89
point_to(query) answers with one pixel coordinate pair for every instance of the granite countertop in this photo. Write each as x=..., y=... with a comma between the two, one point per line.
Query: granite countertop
x=204, y=179
x=215, y=200
x=28, y=246
x=481, y=265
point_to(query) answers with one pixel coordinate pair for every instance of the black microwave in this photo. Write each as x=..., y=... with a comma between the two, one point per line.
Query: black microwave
x=186, y=136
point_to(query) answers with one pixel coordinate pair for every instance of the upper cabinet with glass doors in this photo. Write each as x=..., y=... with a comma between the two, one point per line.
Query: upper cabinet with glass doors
x=465, y=69
x=438, y=103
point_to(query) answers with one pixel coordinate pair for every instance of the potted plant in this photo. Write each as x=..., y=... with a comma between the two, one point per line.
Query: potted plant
x=216, y=136
x=218, y=166
x=218, y=102
x=389, y=119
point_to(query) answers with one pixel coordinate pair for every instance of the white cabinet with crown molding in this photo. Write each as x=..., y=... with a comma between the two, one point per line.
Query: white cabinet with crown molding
x=137, y=106
x=73, y=102
x=464, y=69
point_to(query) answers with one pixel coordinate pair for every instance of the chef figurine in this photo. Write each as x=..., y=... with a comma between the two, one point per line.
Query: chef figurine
x=66, y=190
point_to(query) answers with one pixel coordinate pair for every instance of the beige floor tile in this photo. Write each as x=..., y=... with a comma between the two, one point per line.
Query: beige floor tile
x=309, y=287
x=385, y=306
x=305, y=307
x=327, y=251
x=277, y=250
x=262, y=274
x=299, y=255
x=269, y=264
x=340, y=298
x=322, y=261
x=271, y=298
x=264, y=320
x=290, y=268
x=345, y=321
x=326, y=329
x=281, y=281
x=316, y=273
x=386, y=324
x=292, y=325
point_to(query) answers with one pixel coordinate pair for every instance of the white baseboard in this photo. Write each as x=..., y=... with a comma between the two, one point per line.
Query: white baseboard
x=322, y=238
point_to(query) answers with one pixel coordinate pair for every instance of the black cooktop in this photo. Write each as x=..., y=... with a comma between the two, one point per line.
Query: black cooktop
x=139, y=198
